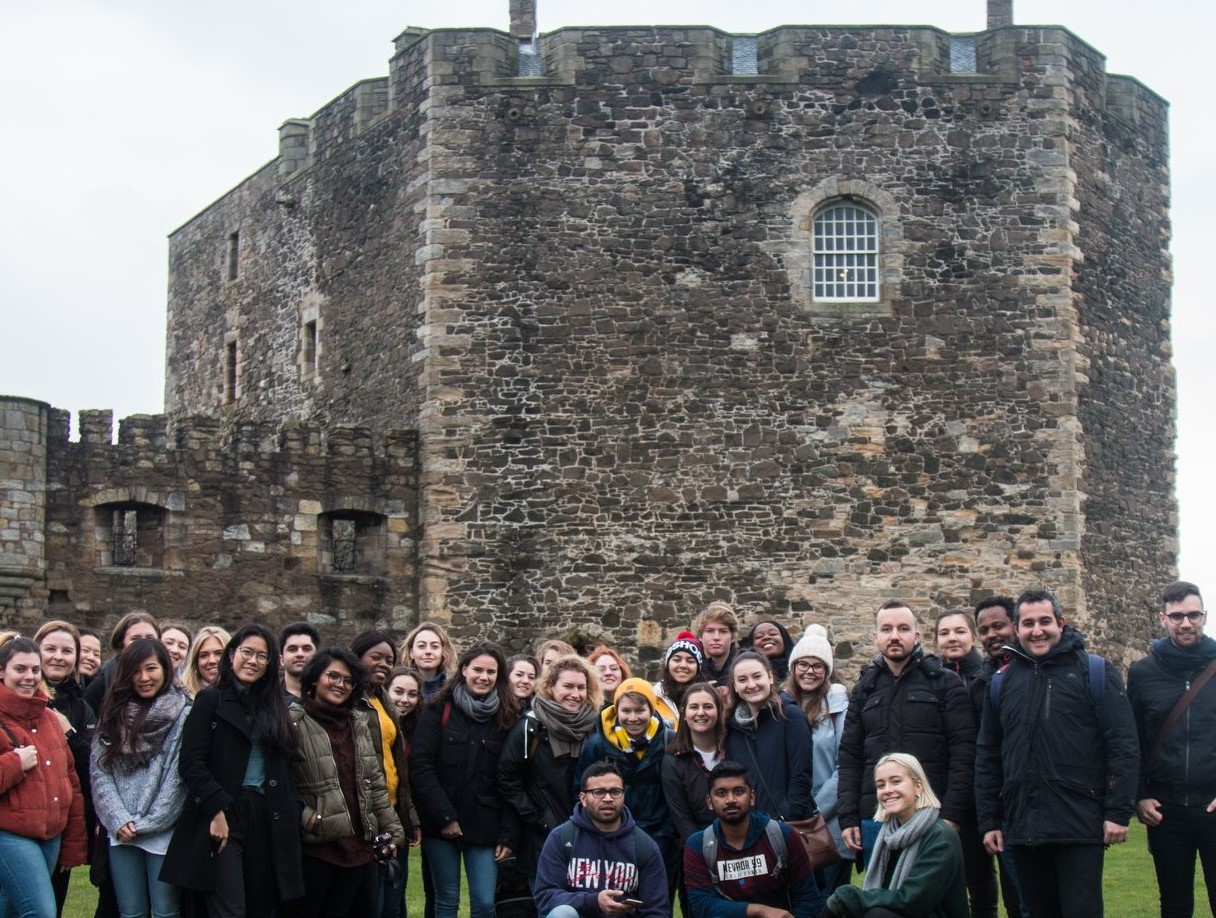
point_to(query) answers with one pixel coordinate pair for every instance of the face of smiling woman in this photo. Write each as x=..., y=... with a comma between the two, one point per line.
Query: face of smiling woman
x=149, y=679
x=23, y=673
x=58, y=656
x=481, y=675
x=752, y=683
x=249, y=661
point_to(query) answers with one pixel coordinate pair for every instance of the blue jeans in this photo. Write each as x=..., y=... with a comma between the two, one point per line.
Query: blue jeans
x=137, y=885
x=480, y=871
x=25, y=874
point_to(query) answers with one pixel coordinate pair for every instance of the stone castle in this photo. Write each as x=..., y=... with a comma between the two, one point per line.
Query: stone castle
x=572, y=333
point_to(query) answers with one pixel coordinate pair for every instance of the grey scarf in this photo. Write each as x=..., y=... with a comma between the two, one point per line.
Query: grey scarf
x=478, y=709
x=567, y=729
x=904, y=841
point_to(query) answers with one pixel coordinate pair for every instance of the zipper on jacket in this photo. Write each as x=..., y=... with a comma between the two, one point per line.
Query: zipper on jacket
x=1186, y=755
x=1047, y=706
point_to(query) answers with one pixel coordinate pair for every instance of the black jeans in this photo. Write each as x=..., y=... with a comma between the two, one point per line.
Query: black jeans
x=1184, y=832
x=336, y=892
x=977, y=867
x=244, y=871
x=1061, y=881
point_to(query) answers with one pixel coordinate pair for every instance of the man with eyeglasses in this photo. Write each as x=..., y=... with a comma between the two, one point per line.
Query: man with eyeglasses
x=599, y=863
x=746, y=864
x=1056, y=762
x=1176, y=797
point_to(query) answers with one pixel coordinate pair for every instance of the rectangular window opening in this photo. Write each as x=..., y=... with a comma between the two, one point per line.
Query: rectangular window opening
x=309, y=347
x=344, y=545
x=230, y=373
x=234, y=255
x=124, y=538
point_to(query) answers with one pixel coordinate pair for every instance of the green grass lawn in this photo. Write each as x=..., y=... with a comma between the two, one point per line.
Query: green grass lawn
x=1129, y=882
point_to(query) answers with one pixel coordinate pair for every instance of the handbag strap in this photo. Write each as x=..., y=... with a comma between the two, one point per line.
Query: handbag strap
x=1180, y=707
x=760, y=774
x=9, y=733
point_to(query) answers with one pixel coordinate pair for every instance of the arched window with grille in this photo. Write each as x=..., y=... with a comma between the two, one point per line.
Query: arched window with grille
x=845, y=249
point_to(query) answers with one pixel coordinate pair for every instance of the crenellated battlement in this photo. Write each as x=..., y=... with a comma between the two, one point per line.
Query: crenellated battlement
x=96, y=526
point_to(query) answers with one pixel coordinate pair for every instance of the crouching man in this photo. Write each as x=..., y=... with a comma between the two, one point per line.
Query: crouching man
x=747, y=865
x=599, y=863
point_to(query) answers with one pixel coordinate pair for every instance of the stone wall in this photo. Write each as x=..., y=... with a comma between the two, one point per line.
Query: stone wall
x=22, y=506
x=195, y=523
x=588, y=292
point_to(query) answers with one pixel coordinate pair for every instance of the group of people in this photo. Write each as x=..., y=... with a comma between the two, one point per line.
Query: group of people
x=254, y=773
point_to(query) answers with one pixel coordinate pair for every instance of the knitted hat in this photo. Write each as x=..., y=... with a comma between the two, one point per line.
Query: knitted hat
x=687, y=642
x=642, y=687
x=813, y=643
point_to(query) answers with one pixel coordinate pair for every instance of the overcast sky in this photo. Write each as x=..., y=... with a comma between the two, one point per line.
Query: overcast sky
x=124, y=118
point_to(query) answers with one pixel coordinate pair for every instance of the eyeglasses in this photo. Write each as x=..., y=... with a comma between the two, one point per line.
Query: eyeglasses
x=258, y=655
x=1193, y=617
x=333, y=677
x=600, y=793
x=806, y=666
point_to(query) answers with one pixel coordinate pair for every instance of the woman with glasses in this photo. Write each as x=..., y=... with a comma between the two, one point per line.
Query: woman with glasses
x=237, y=838
x=814, y=688
x=455, y=764
x=340, y=783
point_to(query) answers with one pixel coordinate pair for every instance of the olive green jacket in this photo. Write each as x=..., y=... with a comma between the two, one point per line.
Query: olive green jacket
x=316, y=779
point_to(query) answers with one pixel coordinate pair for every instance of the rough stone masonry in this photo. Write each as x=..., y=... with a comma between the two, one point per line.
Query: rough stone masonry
x=577, y=270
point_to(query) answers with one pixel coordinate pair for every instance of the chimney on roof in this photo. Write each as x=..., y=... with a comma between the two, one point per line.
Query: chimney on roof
x=523, y=19
x=1000, y=13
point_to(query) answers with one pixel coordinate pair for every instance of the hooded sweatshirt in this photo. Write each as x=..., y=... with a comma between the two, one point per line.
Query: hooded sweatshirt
x=600, y=860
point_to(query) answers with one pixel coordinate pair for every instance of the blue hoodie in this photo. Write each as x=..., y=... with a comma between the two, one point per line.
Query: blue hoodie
x=600, y=860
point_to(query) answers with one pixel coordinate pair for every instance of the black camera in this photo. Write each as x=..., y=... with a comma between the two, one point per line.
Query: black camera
x=382, y=844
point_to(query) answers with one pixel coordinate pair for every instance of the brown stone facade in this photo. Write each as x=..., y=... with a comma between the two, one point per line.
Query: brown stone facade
x=590, y=295
x=257, y=523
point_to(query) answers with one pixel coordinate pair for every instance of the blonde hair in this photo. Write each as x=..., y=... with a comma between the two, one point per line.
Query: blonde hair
x=717, y=611
x=447, y=650
x=571, y=662
x=911, y=764
x=191, y=679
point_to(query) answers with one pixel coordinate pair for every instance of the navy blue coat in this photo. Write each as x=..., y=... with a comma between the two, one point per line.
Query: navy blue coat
x=777, y=754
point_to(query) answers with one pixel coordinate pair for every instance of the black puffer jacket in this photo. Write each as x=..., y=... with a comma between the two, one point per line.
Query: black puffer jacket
x=1049, y=767
x=925, y=712
x=1182, y=774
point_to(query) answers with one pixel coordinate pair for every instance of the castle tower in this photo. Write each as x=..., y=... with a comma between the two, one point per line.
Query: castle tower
x=23, y=471
x=802, y=320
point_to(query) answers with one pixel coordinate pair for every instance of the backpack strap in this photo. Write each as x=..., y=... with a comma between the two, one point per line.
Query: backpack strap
x=709, y=851
x=641, y=850
x=567, y=835
x=776, y=841
x=1095, y=676
x=446, y=715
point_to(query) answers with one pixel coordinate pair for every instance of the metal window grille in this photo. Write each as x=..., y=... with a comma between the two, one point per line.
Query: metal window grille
x=962, y=54
x=124, y=538
x=846, y=254
x=344, y=545
x=744, y=60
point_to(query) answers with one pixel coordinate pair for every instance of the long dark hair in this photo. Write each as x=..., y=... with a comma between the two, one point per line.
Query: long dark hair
x=264, y=698
x=112, y=726
x=508, y=711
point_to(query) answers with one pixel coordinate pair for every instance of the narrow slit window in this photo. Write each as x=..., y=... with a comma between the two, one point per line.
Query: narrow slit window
x=234, y=255
x=230, y=373
x=845, y=248
x=345, y=544
x=124, y=538
x=309, y=348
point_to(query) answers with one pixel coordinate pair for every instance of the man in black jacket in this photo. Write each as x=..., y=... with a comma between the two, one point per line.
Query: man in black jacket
x=1177, y=793
x=1056, y=762
x=905, y=701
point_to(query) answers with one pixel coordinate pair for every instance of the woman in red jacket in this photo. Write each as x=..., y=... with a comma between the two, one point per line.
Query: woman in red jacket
x=41, y=807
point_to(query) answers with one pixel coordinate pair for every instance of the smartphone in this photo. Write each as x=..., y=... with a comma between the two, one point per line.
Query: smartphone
x=636, y=903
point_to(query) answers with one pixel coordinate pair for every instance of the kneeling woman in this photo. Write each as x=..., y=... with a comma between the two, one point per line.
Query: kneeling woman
x=345, y=800
x=916, y=870
x=137, y=791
